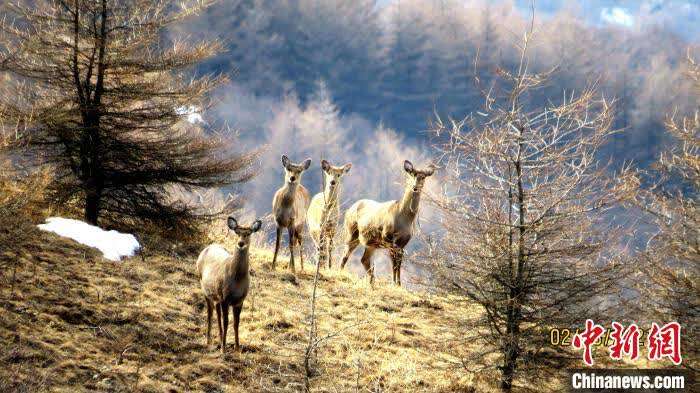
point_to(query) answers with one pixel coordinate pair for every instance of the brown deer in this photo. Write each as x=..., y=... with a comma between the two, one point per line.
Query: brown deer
x=324, y=211
x=289, y=208
x=386, y=225
x=225, y=280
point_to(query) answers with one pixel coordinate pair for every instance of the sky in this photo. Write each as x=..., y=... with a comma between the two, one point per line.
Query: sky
x=680, y=16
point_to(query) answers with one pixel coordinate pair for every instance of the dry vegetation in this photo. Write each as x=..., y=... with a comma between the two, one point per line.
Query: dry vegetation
x=74, y=319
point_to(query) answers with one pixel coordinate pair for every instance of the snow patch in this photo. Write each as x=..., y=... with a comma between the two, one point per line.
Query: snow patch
x=113, y=244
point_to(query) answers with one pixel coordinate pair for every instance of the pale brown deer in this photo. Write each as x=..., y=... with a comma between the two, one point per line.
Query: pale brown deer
x=324, y=211
x=289, y=207
x=225, y=280
x=386, y=225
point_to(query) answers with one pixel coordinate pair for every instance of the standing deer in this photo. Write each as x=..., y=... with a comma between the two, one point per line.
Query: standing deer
x=324, y=211
x=289, y=208
x=225, y=280
x=387, y=224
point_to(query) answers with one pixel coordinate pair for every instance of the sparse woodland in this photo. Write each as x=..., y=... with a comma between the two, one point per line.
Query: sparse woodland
x=670, y=262
x=523, y=211
x=514, y=219
x=98, y=97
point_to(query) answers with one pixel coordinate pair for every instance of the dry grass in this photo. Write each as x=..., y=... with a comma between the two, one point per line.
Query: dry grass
x=75, y=319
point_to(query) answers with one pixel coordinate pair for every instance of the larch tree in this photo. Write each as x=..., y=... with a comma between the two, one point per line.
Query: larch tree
x=670, y=287
x=526, y=235
x=103, y=98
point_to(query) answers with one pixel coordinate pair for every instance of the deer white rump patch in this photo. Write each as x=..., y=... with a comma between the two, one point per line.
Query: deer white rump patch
x=114, y=245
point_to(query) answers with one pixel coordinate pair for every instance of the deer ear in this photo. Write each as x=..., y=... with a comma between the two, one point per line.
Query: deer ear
x=325, y=165
x=431, y=170
x=256, y=226
x=232, y=223
x=408, y=167
x=307, y=163
x=347, y=167
x=285, y=160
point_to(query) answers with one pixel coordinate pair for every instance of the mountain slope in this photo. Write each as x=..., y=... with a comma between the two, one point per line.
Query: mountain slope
x=74, y=319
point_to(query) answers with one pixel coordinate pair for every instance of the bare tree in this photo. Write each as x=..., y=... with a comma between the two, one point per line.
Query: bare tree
x=102, y=97
x=670, y=290
x=523, y=208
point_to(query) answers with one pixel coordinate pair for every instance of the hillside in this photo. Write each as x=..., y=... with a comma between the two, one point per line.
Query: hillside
x=76, y=319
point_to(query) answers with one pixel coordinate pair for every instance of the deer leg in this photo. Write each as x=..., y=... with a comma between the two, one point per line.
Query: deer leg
x=218, y=322
x=398, y=270
x=330, y=250
x=367, y=263
x=290, y=231
x=210, y=309
x=396, y=260
x=349, y=248
x=277, y=247
x=224, y=310
x=322, y=248
x=301, y=247
x=236, y=321
x=392, y=253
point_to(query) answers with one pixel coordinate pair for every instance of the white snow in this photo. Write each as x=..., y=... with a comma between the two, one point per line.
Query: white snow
x=192, y=113
x=113, y=244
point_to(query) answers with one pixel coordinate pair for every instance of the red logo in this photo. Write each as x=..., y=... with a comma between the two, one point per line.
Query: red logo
x=626, y=341
x=586, y=340
x=665, y=342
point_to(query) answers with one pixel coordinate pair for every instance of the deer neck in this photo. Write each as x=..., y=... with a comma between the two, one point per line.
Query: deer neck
x=330, y=198
x=242, y=262
x=288, y=193
x=408, y=205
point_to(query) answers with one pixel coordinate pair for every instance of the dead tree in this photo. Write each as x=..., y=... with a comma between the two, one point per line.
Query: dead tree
x=525, y=236
x=102, y=97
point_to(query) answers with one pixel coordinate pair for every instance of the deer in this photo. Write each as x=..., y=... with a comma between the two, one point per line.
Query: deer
x=289, y=207
x=225, y=280
x=324, y=212
x=387, y=225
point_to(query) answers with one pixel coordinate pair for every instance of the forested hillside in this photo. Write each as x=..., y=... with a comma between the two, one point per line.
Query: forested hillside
x=399, y=62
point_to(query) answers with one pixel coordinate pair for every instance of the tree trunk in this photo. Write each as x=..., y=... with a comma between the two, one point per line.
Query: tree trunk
x=92, y=206
x=511, y=350
x=509, y=361
x=91, y=166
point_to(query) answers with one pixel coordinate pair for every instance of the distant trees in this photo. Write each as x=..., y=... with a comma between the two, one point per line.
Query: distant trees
x=670, y=287
x=397, y=62
x=101, y=98
x=523, y=214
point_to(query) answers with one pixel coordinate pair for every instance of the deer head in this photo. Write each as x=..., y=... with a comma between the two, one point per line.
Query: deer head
x=292, y=171
x=332, y=175
x=242, y=232
x=416, y=178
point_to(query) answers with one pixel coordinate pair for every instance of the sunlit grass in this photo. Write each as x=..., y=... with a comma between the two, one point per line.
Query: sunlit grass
x=75, y=319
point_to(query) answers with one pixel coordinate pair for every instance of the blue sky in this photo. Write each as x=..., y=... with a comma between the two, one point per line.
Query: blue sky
x=679, y=16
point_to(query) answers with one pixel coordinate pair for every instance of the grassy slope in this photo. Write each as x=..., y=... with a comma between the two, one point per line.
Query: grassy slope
x=75, y=319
